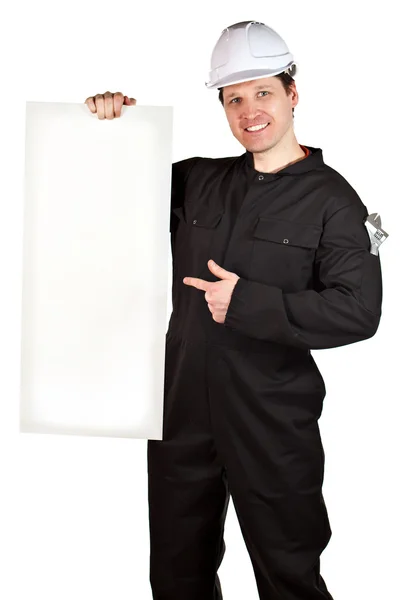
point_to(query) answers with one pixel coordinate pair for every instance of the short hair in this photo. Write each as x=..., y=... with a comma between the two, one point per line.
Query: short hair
x=286, y=79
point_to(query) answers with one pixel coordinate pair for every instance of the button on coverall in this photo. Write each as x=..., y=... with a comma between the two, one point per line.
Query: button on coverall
x=243, y=398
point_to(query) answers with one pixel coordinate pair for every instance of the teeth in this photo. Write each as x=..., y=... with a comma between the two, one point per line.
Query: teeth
x=256, y=127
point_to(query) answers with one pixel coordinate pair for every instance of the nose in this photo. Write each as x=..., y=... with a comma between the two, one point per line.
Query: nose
x=249, y=109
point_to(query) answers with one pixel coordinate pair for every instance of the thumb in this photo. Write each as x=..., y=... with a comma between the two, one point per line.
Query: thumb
x=219, y=271
x=129, y=101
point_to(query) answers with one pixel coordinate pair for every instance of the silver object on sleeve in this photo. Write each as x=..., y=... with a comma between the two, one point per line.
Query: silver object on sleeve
x=376, y=234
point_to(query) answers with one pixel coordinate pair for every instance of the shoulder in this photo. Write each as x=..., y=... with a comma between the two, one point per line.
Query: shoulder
x=202, y=166
x=339, y=193
x=182, y=168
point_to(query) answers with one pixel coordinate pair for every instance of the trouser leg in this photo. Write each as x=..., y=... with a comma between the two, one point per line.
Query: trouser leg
x=268, y=436
x=187, y=488
x=284, y=540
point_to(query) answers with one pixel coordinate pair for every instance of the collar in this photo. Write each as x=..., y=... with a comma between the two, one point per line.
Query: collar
x=309, y=163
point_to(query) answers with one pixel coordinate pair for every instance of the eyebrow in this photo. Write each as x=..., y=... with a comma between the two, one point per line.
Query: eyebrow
x=258, y=87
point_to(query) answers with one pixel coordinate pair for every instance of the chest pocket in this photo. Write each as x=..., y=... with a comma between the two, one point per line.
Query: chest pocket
x=192, y=235
x=283, y=253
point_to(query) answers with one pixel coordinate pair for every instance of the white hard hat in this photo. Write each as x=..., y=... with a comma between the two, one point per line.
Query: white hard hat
x=248, y=50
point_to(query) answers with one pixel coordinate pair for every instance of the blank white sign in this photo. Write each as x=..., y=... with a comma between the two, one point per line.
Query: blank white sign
x=95, y=270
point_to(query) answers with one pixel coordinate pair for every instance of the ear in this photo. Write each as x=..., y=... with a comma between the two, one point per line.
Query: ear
x=294, y=94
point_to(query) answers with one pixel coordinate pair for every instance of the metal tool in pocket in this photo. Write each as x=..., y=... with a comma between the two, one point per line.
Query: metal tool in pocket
x=376, y=234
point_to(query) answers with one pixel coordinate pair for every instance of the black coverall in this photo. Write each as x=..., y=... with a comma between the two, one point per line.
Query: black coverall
x=243, y=398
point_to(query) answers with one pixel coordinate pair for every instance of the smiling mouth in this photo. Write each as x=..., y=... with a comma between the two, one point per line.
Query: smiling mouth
x=257, y=128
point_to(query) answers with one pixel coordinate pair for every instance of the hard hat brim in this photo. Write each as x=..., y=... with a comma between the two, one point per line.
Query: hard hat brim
x=246, y=76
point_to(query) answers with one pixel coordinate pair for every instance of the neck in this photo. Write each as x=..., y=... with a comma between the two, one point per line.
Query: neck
x=284, y=153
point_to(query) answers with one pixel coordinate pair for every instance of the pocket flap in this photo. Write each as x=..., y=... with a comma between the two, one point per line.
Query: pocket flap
x=202, y=217
x=288, y=232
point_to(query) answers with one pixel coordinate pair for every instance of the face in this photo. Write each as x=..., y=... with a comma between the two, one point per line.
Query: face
x=258, y=102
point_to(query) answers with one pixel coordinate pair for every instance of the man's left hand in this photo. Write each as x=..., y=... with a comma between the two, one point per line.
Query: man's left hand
x=217, y=293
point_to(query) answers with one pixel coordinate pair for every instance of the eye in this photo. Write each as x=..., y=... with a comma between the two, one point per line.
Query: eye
x=261, y=92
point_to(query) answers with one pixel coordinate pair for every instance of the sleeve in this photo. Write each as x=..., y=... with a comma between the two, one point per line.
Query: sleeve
x=180, y=174
x=344, y=305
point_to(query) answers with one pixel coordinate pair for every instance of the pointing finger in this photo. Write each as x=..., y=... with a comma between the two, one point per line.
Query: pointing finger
x=200, y=284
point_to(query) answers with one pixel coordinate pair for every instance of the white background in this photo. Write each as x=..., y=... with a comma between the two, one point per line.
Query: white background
x=73, y=510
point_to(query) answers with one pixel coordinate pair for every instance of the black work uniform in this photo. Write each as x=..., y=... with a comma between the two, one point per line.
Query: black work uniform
x=243, y=398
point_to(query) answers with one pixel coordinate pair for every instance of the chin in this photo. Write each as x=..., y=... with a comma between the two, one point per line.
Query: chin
x=256, y=145
x=259, y=147
x=262, y=148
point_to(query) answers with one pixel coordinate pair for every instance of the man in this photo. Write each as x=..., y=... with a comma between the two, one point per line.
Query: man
x=291, y=271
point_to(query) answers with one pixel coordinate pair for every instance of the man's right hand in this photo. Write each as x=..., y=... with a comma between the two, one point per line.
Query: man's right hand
x=108, y=105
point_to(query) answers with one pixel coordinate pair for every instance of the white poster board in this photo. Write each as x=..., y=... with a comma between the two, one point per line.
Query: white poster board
x=95, y=270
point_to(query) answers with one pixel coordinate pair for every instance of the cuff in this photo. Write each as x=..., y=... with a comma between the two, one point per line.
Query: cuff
x=258, y=311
